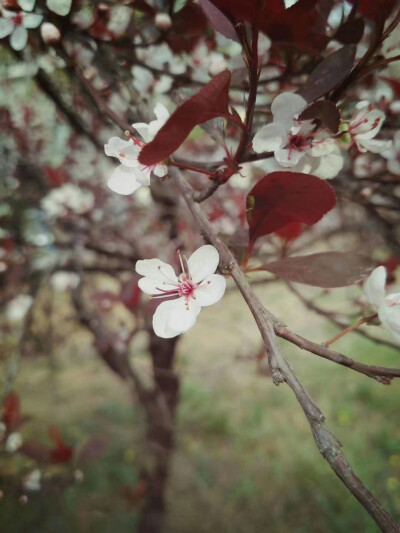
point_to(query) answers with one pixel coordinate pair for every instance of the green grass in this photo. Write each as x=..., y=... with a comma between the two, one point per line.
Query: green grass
x=245, y=459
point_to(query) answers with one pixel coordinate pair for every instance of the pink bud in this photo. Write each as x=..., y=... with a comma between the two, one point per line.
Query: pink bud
x=50, y=33
x=163, y=21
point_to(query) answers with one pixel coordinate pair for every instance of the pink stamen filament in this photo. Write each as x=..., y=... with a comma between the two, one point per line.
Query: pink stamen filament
x=184, y=287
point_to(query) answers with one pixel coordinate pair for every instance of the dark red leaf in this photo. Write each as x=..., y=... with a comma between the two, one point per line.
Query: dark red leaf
x=36, y=450
x=60, y=453
x=281, y=198
x=297, y=24
x=375, y=9
x=351, y=31
x=327, y=269
x=238, y=9
x=188, y=26
x=218, y=20
x=290, y=232
x=329, y=73
x=324, y=111
x=210, y=102
x=11, y=413
x=93, y=449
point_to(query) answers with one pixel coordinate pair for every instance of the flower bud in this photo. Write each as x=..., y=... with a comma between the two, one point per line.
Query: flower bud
x=50, y=33
x=163, y=21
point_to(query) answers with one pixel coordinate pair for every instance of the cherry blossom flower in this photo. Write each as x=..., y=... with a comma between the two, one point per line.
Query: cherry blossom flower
x=364, y=125
x=16, y=24
x=393, y=155
x=18, y=307
x=31, y=481
x=387, y=305
x=292, y=139
x=69, y=197
x=196, y=287
x=130, y=174
x=13, y=442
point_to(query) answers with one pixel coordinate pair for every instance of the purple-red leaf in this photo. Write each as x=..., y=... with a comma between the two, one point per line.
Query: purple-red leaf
x=324, y=111
x=218, y=20
x=351, y=31
x=281, y=198
x=329, y=73
x=188, y=26
x=327, y=269
x=210, y=102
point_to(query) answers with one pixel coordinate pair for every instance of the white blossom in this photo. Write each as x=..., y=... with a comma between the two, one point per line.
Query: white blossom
x=13, y=442
x=393, y=155
x=31, y=481
x=130, y=174
x=18, y=307
x=196, y=287
x=296, y=143
x=364, y=125
x=386, y=305
x=16, y=25
x=68, y=197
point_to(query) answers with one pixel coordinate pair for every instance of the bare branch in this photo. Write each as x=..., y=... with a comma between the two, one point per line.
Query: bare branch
x=281, y=370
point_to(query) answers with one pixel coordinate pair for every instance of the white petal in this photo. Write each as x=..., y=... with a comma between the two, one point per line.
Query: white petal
x=123, y=181
x=172, y=317
x=389, y=314
x=161, y=112
x=61, y=7
x=157, y=270
x=288, y=158
x=143, y=130
x=371, y=124
x=374, y=287
x=286, y=106
x=211, y=290
x=27, y=5
x=126, y=151
x=6, y=27
x=328, y=166
x=160, y=170
x=32, y=20
x=270, y=138
x=373, y=145
x=203, y=262
x=153, y=286
x=323, y=147
x=19, y=38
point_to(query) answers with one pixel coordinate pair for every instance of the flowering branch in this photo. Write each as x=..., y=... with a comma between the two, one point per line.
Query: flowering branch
x=281, y=370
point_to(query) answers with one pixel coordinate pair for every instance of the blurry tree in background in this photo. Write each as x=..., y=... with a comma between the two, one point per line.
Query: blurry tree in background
x=268, y=132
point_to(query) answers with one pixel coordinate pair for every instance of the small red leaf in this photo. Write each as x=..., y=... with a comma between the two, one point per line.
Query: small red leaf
x=218, y=20
x=210, y=102
x=281, y=198
x=327, y=269
x=238, y=9
x=188, y=26
x=290, y=232
x=329, y=73
x=351, y=31
x=11, y=414
x=375, y=9
x=36, y=450
x=60, y=453
x=324, y=111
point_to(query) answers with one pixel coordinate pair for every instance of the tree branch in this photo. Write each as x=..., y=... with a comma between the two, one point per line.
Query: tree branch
x=281, y=370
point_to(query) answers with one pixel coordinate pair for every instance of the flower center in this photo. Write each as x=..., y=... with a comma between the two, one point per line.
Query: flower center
x=185, y=287
x=17, y=19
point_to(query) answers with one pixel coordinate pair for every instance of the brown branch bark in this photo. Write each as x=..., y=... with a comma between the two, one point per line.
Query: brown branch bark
x=281, y=370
